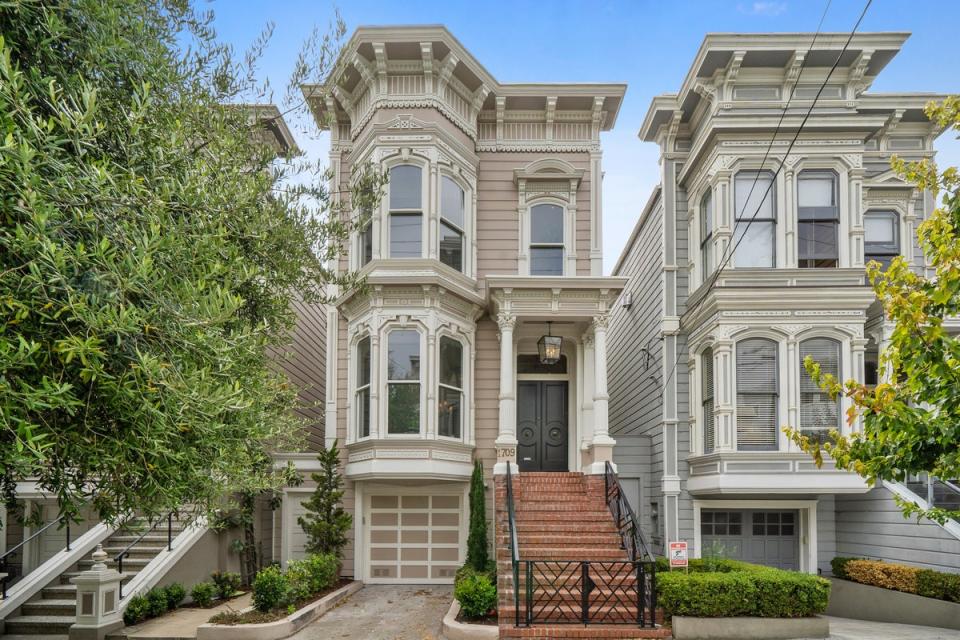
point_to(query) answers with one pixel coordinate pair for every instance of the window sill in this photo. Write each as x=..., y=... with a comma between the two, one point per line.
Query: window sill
x=399, y=457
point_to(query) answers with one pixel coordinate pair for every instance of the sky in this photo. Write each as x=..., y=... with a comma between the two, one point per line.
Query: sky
x=647, y=45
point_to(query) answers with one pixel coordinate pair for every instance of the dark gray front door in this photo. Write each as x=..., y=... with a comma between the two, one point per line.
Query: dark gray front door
x=542, y=426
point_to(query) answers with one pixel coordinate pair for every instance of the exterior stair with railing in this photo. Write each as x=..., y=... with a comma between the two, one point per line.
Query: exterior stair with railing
x=50, y=613
x=562, y=520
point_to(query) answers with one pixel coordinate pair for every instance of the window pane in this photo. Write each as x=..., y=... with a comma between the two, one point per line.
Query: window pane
x=363, y=412
x=450, y=408
x=403, y=355
x=403, y=408
x=451, y=202
x=756, y=249
x=760, y=202
x=546, y=224
x=451, y=362
x=363, y=362
x=818, y=412
x=546, y=261
x=451, y=247
x=817, y=243
x=880, y=227
x=756, y=395
x=366, y=244
x=816, y=190
x=405, y=187
x=706, y=216
x=405, y=238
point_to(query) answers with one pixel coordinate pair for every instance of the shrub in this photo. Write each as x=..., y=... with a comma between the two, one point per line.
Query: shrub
x=467, y=571
x=838, y=566
x=312, y=575
x=226, y=582
x=202, y=594
x=156, y=602
x=175, y=595
x=477, y=596
x=271, y=589
x=936, y=584
x=477, y=552
x=326, y=522
x=887, y=575
x=136, y=610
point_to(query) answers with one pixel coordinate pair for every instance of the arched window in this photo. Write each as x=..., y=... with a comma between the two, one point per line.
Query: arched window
x=819, y=413
x=818, y=220
x=450, y=396
x=546, y=240
x=406, y=211
x=757, y=395
x=707, y=400
x=451, y=224
x=362, y=395
x=403, y=381
x=756, y=219
x=706, y=235
x=881, y=236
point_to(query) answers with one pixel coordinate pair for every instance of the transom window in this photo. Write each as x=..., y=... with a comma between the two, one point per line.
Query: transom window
x=818, y=220
x=706, y=383
x=756, y=216
x=450, y=397
x=363, y=388
x=757, y=395
x=706, y=235
x=403, y=381
x=451, y=223
x=406, y=211
x=881, y=242
x=546, y=240
x=721, y=523
x=819, y=413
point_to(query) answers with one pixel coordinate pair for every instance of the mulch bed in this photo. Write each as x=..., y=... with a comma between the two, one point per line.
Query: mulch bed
x=490, y=619
x=259, y=617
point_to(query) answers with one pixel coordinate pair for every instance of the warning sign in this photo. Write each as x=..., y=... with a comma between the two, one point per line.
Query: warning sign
x=678, y=554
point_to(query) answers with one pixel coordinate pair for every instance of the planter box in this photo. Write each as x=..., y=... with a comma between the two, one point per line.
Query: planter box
x=281, y=628
x=453, y=630
x=850, y=599
x=689, y=628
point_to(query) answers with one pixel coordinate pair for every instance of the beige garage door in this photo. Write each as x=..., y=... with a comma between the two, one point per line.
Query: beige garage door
x=414, y=538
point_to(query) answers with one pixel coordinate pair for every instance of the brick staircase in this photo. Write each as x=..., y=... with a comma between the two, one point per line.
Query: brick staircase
x=49, y=614
x=563, y=519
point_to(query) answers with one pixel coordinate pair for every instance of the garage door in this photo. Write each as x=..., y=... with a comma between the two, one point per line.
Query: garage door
x=767, y=537
x=414, y=538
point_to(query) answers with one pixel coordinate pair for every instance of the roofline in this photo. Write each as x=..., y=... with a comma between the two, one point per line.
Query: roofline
x=644, y=215
x=269, y=115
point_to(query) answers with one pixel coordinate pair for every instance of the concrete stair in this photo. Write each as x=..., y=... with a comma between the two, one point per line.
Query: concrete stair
x=562, y=520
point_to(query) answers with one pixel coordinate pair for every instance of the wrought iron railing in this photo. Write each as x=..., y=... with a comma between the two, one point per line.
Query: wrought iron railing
x=631, y=535
x=123, y=554
x=5, y=558
x=514, y=547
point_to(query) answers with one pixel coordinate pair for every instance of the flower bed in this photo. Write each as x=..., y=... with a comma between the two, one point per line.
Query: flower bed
x=159, y=600
x=898, y=577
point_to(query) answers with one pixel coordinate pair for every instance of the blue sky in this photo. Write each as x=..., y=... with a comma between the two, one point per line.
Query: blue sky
x=648, y=45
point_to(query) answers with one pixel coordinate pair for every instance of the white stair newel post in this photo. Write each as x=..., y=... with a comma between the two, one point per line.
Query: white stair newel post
x=98, y=600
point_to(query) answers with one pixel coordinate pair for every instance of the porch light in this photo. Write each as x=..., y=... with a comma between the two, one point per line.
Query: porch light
x=549, y=347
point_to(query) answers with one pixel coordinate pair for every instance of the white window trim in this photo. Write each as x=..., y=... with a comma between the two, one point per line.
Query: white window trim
x=385, y=381
x=526, y=234
x=354, y=370
x=780, y=342
x=843, y=344
x=844, y=208
x=778, y=209
x=901, y=228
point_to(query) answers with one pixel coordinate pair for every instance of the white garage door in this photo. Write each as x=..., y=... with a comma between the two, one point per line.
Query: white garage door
x=414, y=538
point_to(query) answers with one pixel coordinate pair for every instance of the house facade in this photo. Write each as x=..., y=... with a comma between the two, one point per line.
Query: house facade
x=742, y=264
x=487, y=239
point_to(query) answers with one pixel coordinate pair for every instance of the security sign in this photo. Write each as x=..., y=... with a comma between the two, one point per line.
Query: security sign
x=678, y=554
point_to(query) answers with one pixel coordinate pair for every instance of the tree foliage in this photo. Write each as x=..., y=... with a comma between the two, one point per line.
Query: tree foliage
x=478, y=554
x=326, y=523
x=150, y=246
x=911, y=420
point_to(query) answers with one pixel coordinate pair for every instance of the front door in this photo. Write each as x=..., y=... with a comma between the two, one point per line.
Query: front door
x=542, y=425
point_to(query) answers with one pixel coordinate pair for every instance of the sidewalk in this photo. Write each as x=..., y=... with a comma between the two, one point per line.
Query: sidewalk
x=849, y=629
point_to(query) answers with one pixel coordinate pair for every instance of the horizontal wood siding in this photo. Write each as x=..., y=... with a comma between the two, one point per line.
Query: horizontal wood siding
x=304, y=362
x=826, y=532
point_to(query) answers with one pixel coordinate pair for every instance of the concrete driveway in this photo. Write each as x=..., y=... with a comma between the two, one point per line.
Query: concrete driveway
x=847, y=629
x=385, y=612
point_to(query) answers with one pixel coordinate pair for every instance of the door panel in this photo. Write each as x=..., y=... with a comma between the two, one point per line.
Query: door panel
x=528, y=426
x=542, y=429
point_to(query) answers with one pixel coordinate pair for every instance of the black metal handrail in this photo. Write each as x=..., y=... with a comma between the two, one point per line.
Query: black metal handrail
x=627, y=524
x=123, y=554
x=514, y=546
x=4, y=559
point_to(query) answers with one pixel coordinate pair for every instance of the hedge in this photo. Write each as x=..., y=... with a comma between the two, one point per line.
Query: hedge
x=730, y=588
x=899, y=577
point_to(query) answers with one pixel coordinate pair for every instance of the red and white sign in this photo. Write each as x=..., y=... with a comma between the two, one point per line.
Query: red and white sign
x=678, y=554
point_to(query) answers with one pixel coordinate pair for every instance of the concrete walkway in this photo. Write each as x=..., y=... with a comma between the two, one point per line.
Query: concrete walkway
x=848, y=629
x=385, y=612
x=181, y=623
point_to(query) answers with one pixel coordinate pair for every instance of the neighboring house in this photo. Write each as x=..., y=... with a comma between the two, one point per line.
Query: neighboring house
x=706, y=368
x=488, y=238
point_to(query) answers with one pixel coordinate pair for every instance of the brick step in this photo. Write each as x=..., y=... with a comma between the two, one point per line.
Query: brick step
x=586, y=539
x=565, y=526
x=554, y=496
x=558, y=632
x=570, y=552
x=584, y=511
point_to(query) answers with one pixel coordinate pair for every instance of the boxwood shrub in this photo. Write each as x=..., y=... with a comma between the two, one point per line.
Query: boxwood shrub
x=899, y=577
x=721, y=588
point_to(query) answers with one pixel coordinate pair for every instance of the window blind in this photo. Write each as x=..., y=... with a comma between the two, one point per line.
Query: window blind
x=818, y=411
x=757, y=394
x=706, y=393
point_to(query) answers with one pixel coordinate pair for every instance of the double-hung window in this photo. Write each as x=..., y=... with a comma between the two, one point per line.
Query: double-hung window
x=546, y=240
x=366, y=239
x=403, y=381
x=451, y=224
x=362, y=394
x=706, y=235
x=706, y=400
x=818, y=220
x=756, y=219
x=757, y=395
x=406, y=211
x=819, y=413
x=881, y=242
x=450, y=396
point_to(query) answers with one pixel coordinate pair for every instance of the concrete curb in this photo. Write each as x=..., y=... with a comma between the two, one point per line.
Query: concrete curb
x=850, y=599
x=746, y=628
x=278, y=629
x=453, y=630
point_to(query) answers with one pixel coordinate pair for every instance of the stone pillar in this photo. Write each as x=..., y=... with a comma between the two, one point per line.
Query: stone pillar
x=602, y=442
x=506, y=442
x=98, y=600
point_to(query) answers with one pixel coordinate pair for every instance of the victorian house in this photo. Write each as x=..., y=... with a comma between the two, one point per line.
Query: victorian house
x=742, y=263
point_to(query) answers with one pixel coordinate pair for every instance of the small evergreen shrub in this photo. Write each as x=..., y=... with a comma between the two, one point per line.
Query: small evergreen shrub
x=467, y=571
x=175, y=595
x=477, y=596
x=271, y=589
x=226, y=582
x=136, y=610
x=202, y=594
x=940, y=585
x=156, y=602
x=326, y=522
x=477, y=549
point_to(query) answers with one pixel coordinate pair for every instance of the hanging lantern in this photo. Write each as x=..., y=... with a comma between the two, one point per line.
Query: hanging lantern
x=549, y=348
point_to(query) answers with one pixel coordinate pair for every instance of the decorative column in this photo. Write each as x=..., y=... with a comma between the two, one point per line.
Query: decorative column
x=375, y=382
x=506, y=442
x=98, y=600
x=589, y=384
x=858, y=346
x=723, y=392
x=602, y=442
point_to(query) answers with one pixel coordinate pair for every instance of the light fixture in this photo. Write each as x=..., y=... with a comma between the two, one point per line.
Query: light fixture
x=549, y=347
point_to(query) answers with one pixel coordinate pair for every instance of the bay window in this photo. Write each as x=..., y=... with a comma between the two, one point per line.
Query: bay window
x=756, y=219
x=881, y=241
x=450, y=395
x=757, y=395
x=403, y=381
x=819, y=413
x=706, y=235
x=707, y=400
x=546, y=240
x=451, y=224
x=406, y=211
x=362, y=395
x=818, y=220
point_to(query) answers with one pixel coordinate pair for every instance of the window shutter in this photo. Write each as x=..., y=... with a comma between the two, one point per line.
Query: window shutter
x=818, y=412
x=756, y=394
x=706, y=393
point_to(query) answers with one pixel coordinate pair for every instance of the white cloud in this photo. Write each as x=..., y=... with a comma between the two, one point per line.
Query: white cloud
x=763, y=8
